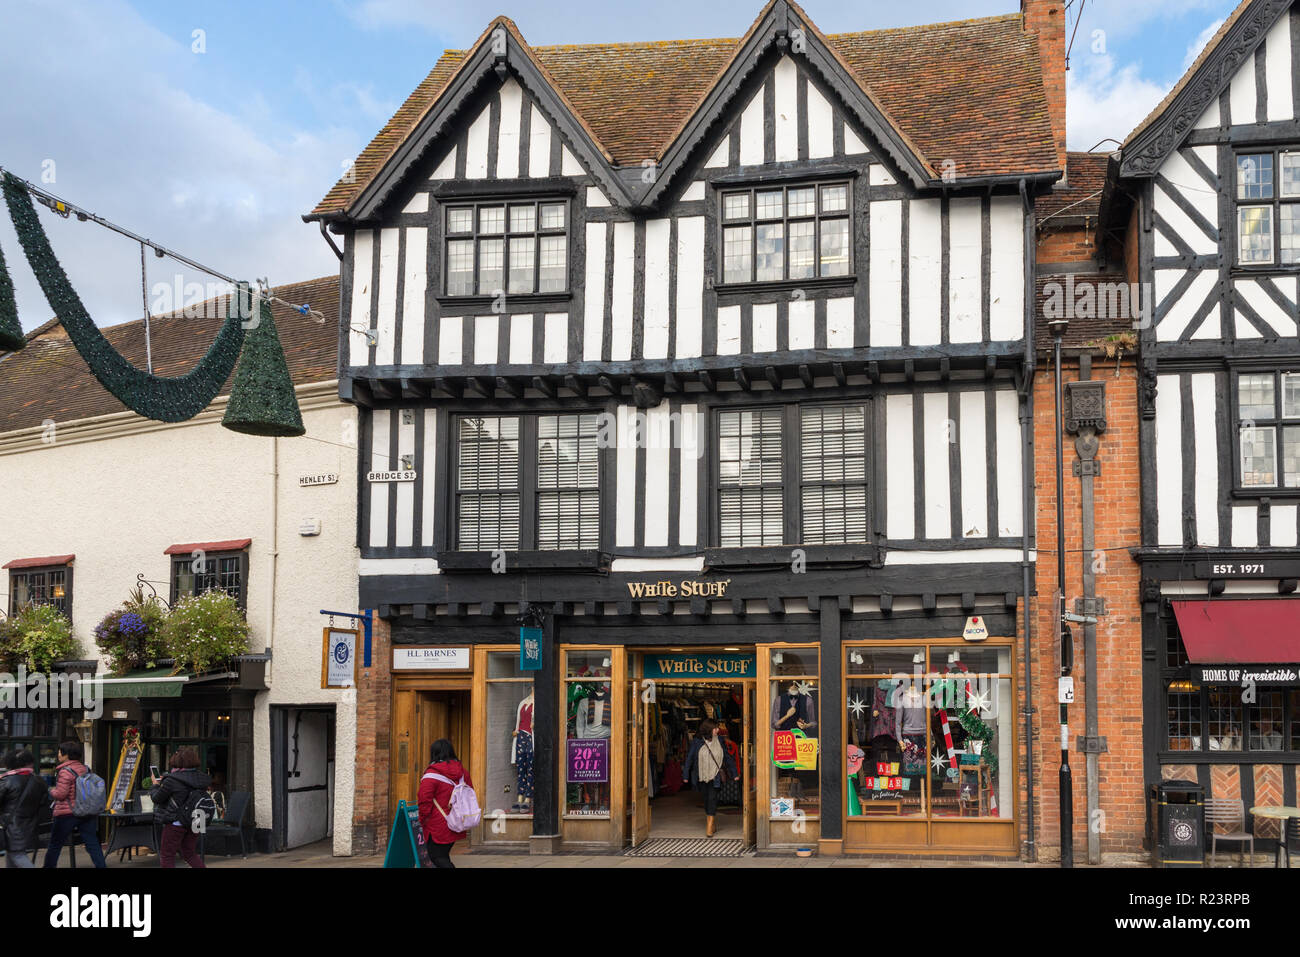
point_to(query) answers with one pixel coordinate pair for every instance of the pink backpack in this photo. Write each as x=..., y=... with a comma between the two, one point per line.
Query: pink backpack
x=463, y=812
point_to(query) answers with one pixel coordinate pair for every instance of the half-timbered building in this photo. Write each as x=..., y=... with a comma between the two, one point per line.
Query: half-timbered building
x=693, y=375
x=1214, y=175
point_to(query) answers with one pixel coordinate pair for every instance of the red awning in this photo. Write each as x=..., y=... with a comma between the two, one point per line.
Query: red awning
x=41, y=562
x=1247, y=632
x=189, y=548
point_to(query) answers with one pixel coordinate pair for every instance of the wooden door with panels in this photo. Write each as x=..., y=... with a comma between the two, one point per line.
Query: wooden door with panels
x=425, y=710
x=639, y=763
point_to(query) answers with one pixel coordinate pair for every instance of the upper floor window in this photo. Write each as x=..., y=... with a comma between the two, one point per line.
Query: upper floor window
x=809, y=462
x=193, y=574
x=519, y=247
x=786, y=232
x=48, y=583
x=1268, y=412
x=528, y=482
x=1268, y=208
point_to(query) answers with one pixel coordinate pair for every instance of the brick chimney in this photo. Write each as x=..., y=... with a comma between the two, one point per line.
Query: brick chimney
x=1045, y=19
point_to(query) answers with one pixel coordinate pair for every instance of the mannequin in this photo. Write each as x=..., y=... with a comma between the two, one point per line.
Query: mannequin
x=521, y=753
x=594, y=712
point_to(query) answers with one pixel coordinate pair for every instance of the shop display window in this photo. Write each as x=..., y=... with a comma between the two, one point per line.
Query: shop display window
x=929, y=731
x=587, y=757
x=795, y=747
x=509, y=785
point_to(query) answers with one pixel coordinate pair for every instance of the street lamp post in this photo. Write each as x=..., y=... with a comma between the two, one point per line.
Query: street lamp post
x=1064, y=781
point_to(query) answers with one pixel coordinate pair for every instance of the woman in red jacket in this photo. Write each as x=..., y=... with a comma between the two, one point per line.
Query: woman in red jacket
x=434, y=799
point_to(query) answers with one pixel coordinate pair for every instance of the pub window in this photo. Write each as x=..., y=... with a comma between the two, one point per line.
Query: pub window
x=818, y=475
x=560, y=456
x=1224, y=716
x=785, y=232
x=51, y=585
x=40, y=732
x=1268, y=211
x=1268, y=414
x=518, y=247
x=588, y=726
x=1183, y=708
x=198, y=573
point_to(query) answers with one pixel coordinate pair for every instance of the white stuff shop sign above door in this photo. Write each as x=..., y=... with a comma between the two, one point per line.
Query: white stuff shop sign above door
x=391, y=475
x=430, y=659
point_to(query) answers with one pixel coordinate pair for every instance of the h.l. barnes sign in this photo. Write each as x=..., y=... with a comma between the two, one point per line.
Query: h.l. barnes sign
x=684, y=588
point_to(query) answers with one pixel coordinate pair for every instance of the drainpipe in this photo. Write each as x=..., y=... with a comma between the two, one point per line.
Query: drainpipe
x=275, y=549
x=1027, y=518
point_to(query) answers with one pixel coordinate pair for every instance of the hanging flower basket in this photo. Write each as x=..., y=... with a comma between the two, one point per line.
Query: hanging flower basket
x=130, y=636
x=37, y=636
x=204, y=630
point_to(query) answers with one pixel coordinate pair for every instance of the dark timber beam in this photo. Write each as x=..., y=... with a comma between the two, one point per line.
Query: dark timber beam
x=773, y=377
x=545, y=386
x=510, y=386
x=742, y=377
x=806, y=376
x=449, y=387
x=671, y=382
x=413, y=390
x=609, y=384
x=576, y=385
x=990, y=366
x=945, y=369
x=909, y=370
x=837, y=369
x=706, y=380
x=382, y=390
x=481, y=385
x=645, y=395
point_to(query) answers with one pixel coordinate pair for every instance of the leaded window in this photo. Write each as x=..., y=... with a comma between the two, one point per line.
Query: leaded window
x=1268, y=208
x=519, y=248
x=1268, y=414
x=780, y=233
x=203, y=572
x=40, y=586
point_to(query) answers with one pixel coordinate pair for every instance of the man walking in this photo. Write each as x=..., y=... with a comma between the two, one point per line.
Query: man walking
x=22, y=795
x=64, y=794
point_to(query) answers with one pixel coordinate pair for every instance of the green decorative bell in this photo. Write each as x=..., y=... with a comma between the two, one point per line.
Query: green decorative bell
x=11, y=331
x=262, y=400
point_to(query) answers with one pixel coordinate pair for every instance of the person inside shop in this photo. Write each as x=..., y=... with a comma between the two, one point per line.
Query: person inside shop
x=22, y=796
x=709, y=767
x=174, y=802
x=1268, y=738
x=64, y=796
x=434, y=799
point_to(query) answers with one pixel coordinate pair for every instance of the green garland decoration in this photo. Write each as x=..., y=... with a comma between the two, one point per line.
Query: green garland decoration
x=163, y=399
x=11, y=330
x=976, y=728
x=262, y=400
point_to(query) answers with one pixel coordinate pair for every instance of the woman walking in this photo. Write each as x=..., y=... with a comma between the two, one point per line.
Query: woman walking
x=709, y=767
x=434, y=798
x=172, y=811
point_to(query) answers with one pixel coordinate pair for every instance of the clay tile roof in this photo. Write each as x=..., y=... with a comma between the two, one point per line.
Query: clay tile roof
x=189, y=548
x=970, y=92
x=1081, y=195
x=1186, y=78
x=45, y=562
x=49, y=380
x=1080, y=332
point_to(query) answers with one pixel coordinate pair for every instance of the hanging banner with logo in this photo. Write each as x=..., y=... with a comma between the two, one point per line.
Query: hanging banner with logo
x=530, y=649
x=339, y=658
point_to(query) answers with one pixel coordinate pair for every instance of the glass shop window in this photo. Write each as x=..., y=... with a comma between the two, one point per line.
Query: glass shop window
x=795, y=745
x=929, y=731
x=509, y=786
x=589, y=724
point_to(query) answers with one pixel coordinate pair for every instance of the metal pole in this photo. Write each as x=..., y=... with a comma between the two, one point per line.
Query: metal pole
x=1064, y=781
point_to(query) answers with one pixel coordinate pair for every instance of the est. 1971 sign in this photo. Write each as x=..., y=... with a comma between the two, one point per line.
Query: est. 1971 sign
x=1248, y=567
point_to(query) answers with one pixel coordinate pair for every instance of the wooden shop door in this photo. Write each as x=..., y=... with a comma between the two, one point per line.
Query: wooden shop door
x=639, y=764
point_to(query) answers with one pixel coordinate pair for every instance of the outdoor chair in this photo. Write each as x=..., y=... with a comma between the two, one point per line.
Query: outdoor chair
x=1232, y=814
x=232, y=823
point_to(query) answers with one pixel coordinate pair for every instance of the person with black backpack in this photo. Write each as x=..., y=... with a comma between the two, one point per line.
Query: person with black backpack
x=79, y=798
x=22, y=795
x=183, y=807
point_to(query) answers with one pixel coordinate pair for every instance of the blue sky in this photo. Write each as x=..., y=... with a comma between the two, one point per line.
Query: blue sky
x=215, y=143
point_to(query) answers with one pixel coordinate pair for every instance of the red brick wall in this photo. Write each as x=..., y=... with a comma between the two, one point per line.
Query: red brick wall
x=1119, y=632
x=1072, y=245
x=1046, y=19
x=370, y=820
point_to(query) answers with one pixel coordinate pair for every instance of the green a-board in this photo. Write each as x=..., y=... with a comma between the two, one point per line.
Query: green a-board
x=406, y=839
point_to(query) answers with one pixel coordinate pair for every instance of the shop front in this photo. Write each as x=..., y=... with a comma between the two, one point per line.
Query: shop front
x=850, y=729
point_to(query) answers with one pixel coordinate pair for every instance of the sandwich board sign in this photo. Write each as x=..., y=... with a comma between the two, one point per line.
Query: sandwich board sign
x=406, y=839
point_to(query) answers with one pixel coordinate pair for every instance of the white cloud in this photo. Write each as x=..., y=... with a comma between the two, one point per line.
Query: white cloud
x=1196, y=46
x=131, y=144
x=1104, y=101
